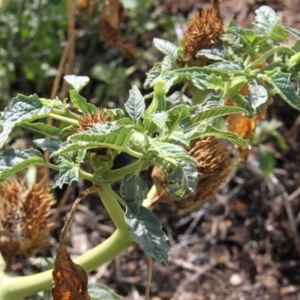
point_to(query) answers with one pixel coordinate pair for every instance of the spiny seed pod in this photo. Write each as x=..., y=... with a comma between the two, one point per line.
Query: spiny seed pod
x=215, y=162
x=24, y=219
x=89, y=120
x=203, y=31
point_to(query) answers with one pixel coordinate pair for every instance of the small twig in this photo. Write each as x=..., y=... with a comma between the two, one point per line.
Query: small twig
x=149, y=277
x=67, y=225
x=294, y=194
x=61, y=204
x=288, y=208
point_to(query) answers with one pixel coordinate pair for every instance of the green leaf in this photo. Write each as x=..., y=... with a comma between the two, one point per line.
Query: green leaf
x=184, y=181
x=208, y=130
x=146, y=231
x=210, y=102
x=133, y=188
x=159, y=119
x=265, y=18
x=166, y=64
x=68, y=172
x=283, y=86
x=152, y=75
x=51, y=144
x=166, y=48
x=13, y=161
x=178, y=98
x=40, y=128
x=268, y=22
x=99, y=291
x=214, y=112
x=211, y=82
x=177, y=137
x=217, y=53
x=267, y=160
x=102, y=135
x=258, y=95
x=168, y=150
x=135, y=105
x=22, y=108
x=177, y=114
x=76, y=82
x=81, y=103
x=234, y=67
x=295, y=32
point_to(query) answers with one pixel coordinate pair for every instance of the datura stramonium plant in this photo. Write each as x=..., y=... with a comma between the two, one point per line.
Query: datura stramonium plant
x=24, y=219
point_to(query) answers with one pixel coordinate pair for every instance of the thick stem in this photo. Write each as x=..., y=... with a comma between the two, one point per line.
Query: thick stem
x=113, y=207
x=118, y=174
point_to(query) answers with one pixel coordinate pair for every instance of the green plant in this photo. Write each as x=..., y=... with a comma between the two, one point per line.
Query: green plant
x=177, y=135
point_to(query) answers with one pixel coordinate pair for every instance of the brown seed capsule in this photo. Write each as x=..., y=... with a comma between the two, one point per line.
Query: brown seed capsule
x=203, y=31
x=89, y=120
x=24, y=219
x=214, y=165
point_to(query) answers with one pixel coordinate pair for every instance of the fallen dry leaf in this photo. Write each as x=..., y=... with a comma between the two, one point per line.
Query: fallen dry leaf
x=70, y=280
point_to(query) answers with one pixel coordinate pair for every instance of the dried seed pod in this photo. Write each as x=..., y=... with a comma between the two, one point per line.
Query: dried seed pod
x=24, y=219
x=214, y=165
x=89, y=120
x=203, y=31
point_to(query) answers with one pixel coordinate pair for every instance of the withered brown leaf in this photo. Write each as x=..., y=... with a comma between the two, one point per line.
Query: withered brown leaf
x=111, y=15
x=70, y=280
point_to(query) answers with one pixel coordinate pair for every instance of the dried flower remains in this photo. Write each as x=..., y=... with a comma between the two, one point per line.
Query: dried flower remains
x=89, y=120
x=203, y=31
x=215, y=162
x=24, y=219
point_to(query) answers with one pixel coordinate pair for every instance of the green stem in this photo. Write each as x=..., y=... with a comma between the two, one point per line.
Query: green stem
x=118, y=174
x=16, y=288
x=2, y=264
x=82, y=174
x=64, y=119
x=109, y=199
x=66, y=113
x=150, y=196
x=85, y=175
